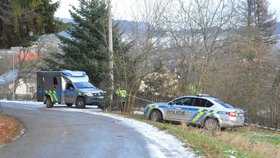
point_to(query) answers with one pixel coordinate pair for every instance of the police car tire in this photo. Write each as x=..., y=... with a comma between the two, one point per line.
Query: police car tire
x=80, y=103
x=49, y=103
x=156, y=116
x=69, y=104
x=211, y=124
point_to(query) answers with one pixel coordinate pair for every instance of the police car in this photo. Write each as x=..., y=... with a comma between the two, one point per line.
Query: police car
x=203, y=110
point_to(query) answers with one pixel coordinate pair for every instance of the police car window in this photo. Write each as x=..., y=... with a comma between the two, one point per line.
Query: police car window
x=55, y=81
x=188, y=101
x=183, y=101
x=199, y=102
x=178, y=102
x=208, y=104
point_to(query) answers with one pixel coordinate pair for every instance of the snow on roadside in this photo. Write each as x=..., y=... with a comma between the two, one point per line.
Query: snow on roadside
x=160, y=143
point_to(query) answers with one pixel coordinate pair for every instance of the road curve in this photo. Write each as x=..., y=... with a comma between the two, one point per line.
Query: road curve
x=56, y=134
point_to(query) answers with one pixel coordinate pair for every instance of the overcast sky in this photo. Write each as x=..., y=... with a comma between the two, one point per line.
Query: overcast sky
x=122, y=9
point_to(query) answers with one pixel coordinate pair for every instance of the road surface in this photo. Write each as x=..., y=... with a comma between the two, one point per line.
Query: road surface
x=58, y=134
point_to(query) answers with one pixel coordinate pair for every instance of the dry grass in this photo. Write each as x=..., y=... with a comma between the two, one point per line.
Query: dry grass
x=9, y=128
x=264, y=149
x=230, y=143
x=240, y=142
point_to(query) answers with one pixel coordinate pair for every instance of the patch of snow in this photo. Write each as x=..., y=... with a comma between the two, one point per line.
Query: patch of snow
x=160, y=143
x=138, y=113
x=232, y=152
x=254, y=134
x=27, y=103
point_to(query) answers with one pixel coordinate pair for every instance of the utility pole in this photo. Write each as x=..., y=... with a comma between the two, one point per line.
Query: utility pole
x=13, y=78
x=111, y=55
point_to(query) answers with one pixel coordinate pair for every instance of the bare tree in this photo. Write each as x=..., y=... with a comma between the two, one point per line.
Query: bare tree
x=147, y=32
x=201, y=30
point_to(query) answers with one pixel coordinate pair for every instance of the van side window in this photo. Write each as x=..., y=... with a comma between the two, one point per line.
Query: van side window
x=55, y=81
x=69, y=86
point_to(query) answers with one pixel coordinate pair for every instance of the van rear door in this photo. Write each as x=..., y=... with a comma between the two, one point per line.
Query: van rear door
x=56, y=88
x=40, y=87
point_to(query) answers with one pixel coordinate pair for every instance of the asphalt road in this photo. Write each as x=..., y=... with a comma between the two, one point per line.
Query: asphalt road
x=55, y=134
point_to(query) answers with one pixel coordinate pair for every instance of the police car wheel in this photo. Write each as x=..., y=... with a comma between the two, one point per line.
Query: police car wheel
x=211, y=124
x=80, y=103
x=49, y=103
x=155, y=116
x=69, y=104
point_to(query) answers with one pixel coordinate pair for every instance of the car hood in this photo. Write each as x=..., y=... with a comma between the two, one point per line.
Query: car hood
x=92, y=90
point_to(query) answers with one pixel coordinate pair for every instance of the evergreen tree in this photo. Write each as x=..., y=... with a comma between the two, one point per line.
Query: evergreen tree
x=86, y=48
x=22, y=21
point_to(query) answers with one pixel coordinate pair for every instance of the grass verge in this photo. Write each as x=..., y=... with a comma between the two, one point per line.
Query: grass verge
x=234, y=143
x=9, y=129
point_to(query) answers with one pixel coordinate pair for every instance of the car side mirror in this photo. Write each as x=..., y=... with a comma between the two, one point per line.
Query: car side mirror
x=170, y=103
x=71, y=88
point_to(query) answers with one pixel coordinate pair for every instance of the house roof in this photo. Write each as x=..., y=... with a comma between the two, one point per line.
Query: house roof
x=26, y=56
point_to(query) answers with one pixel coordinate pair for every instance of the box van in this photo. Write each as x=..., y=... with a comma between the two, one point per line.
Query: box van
x=67, y=87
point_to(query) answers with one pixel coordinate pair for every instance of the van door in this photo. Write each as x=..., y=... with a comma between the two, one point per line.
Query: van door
x=40, y=87
x=56, y=88
x=69, y=93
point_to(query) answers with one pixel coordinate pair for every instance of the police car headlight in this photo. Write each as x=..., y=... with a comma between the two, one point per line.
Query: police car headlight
x=89, y=94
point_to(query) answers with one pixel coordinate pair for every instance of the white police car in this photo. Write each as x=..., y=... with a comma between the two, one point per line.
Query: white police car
x=209, y=112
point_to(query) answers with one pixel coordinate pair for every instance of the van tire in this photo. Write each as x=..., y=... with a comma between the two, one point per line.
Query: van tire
x=80, y=103
x=69, y=104
x=49, y=102
x=211, y=124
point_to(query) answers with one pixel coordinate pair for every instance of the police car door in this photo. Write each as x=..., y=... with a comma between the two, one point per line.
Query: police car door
x=198, y=110
x=176, y=110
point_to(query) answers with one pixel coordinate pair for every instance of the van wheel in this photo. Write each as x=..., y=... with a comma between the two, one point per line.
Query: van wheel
x=155, y=116
x=69, y=104
x=211, y=124
x=80, y=103
x=49, y=103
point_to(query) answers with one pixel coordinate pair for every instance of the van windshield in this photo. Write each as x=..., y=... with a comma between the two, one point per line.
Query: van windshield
x=82, y=85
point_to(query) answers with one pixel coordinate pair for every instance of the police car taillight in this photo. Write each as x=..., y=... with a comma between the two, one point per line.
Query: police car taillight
x=231, y=114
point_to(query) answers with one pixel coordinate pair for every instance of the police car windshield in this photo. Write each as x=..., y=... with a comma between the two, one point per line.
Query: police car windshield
x=224, y=104
x=82, y=85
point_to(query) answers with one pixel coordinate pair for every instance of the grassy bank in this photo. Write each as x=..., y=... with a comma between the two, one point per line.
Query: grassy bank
x=9, y=129
x=241, y=142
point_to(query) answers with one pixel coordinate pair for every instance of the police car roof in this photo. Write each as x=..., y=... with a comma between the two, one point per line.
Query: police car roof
x=203, y=97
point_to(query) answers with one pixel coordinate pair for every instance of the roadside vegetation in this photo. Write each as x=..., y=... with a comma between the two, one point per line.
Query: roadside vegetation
x=240, y=142
x=9, y=129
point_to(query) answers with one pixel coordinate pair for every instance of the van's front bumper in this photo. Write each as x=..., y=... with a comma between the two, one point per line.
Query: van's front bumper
x=93, y=100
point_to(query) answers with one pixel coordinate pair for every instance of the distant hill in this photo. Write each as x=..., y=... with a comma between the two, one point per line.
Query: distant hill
x=124, y=25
